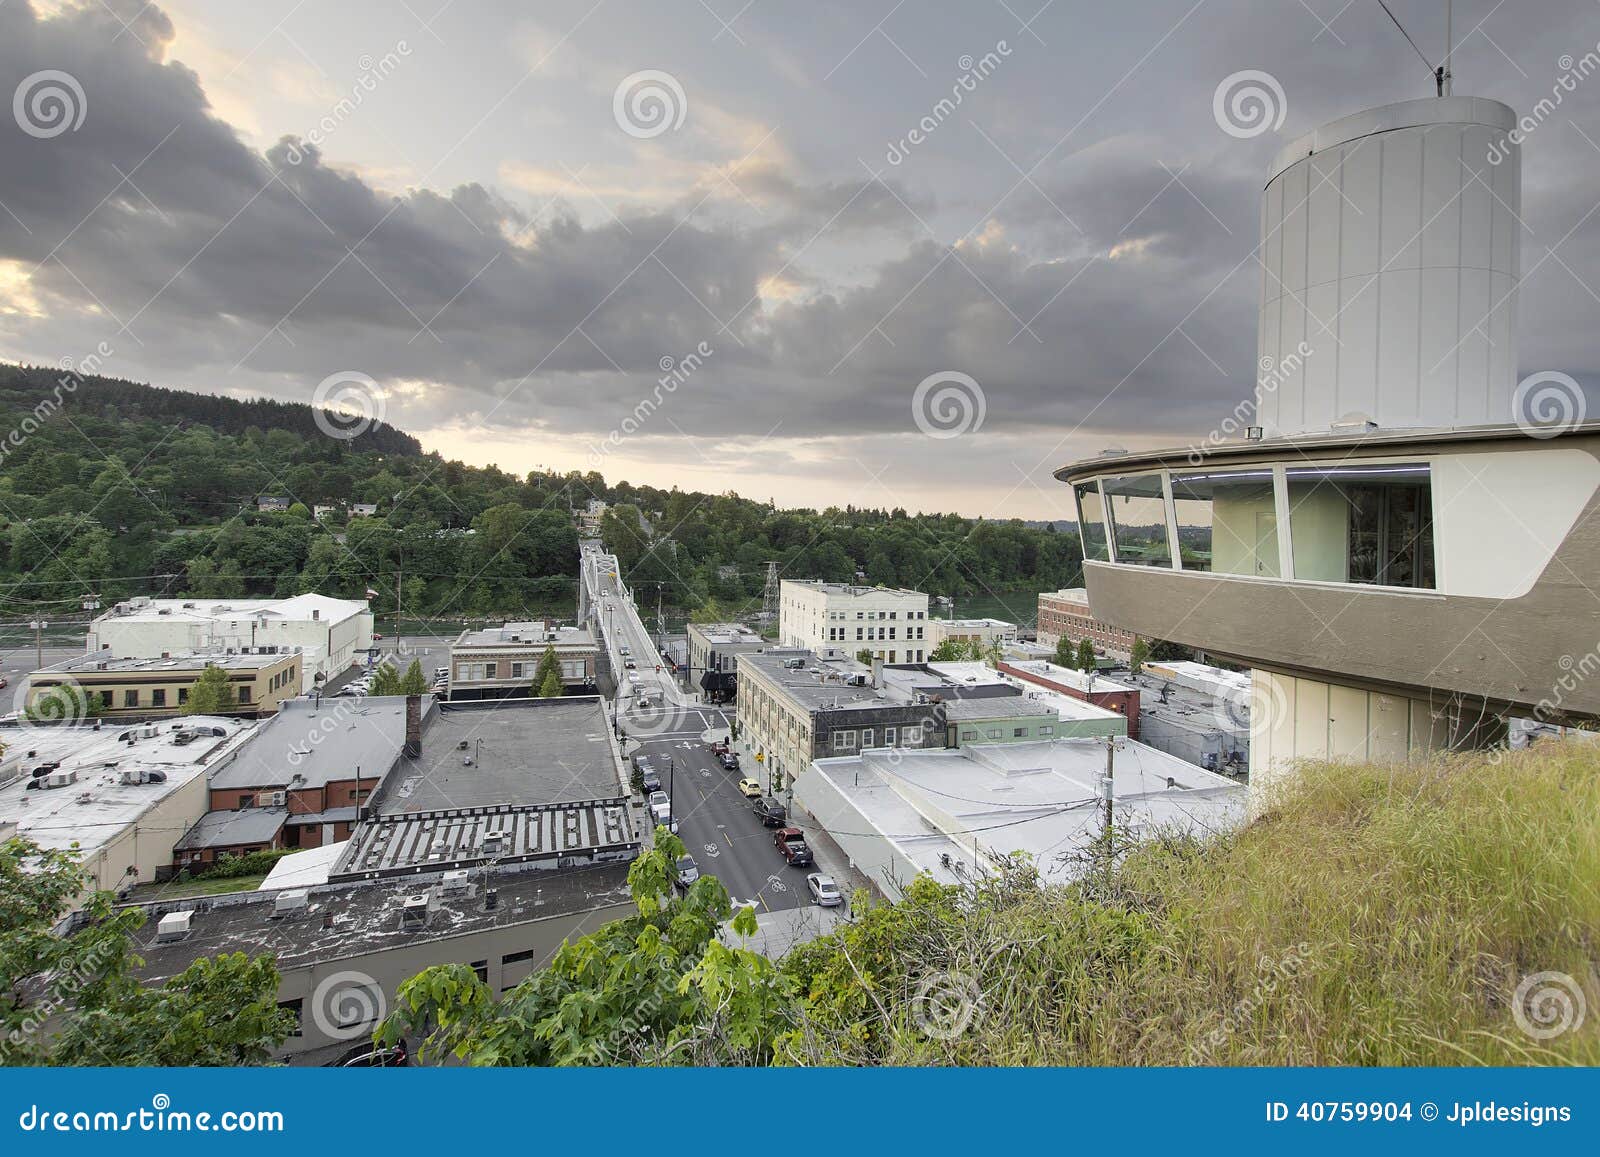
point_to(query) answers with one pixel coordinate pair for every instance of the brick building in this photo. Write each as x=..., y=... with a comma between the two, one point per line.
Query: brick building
x=1066, y=612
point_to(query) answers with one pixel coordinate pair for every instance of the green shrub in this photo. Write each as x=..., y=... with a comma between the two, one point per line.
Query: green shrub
x=251, y=864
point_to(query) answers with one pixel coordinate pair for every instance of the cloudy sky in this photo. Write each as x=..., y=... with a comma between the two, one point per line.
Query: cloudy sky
x=510, y=217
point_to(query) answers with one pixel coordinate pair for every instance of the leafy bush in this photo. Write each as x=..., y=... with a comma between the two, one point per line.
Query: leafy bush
x=252, y=864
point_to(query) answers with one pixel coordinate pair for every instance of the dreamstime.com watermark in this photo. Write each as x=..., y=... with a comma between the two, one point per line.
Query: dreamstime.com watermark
x=347, y=1004
x=160, y=1117
x=372, y=74
x=944, y=1004
x=972, y=72
x=1548, y=404
x=48, y=103
x=948, y=404
x=675, y=372
x=346, y=404
x=1546, y=1005
x=1572, y=73
x=1274, y=372
x=61, y=990
x=1249, y=103
x=1270, y=975
x=1575, y=673
x=648, y=103
x=68, y=379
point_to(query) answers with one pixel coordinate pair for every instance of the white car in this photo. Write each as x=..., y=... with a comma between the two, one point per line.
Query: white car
x=823, y=890
x=660, y=807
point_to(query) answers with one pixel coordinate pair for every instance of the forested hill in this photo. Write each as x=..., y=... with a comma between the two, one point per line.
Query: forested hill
x=22, y=387
x=114, y=489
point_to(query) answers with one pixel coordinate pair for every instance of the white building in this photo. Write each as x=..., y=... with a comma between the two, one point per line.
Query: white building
x=123, y=804
x=950, y=813
x=363, y=510
x=330, y=633
x=890, y=622
x=984, y=632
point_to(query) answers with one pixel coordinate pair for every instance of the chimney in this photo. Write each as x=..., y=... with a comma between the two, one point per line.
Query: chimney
x=877, y=673
x=413, y=725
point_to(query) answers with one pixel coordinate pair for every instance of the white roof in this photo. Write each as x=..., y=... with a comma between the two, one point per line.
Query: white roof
x=972, y=673
x=303, y=869
x=1068, y=676
x=1041, y=798
x=1204, y=678
x=300, y=607
x=58, y=817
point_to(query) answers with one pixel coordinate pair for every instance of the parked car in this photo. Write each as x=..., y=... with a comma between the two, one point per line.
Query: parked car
x=660, y=807
x=441, y=672
x=376, y=636
x=750, y=788
x=688, y=871
x=367, y=1055
x=823, y=890
x=651, y=777
x=791, y=843
x=730, y=761
x=770, y=812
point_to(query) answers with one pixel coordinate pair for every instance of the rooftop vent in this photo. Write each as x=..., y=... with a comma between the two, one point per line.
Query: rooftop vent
x=174, y=926
x=414, y=910
x=455, y=883
x=291, y=902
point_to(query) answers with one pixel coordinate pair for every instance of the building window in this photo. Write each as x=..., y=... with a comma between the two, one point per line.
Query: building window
x=1227, y=522
x=969, y=735
x=1137, y=507
x=888, y=736
x=1019, y=733
x=158, y=697
x=1091, y=519
x=1362, y=524
x=488, y=671
x=130, y=698
x=1047, y=729
x=844, y=740
x=481, y=967
x=183, y=696
x=516, y=670
x=994, y=733
x=516, y=957
x=866, y=737
x=297, y=1007
x=245, y=694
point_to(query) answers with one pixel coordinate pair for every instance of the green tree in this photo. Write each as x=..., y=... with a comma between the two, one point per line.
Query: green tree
x=1138, y=656
x=298, y=510
x=1066, y=652
x=547, y=682
x=656, y=988
x=415, y=682
x=386, y=679
x=66, y=703
x=211, y=694
x=1085, y=655
x=73, y=1000
x=864, y=656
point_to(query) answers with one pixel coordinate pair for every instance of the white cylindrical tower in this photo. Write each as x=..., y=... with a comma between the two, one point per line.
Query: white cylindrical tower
x=1390, y=249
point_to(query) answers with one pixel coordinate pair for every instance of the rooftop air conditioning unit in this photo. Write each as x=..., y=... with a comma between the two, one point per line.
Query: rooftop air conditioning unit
x=414, y=911
x=277, y=798
x=495, y=841
x=61, y=778
x=129, y=777
x=174, y=926
x=291, y=902
x=455, y=883
x=151, y=731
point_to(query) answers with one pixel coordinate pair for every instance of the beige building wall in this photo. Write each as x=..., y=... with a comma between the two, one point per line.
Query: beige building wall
x=1293, y=719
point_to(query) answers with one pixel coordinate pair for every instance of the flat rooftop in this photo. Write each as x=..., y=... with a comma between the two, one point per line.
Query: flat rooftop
x=320, y=742
x=97, y=809
x=1068, y=676
x=974, y=624
x=525, y=634
x=523, y=752
x=1182, y=706
x=852, y=590
x=819, y=685
x=300, y=607
x=100, y=662
x=1065, y=706
x=365, y=917
x=1041, y=798
x=726, y=634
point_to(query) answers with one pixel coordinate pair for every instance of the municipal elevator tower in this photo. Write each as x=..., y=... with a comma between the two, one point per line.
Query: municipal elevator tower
x=1402, y=549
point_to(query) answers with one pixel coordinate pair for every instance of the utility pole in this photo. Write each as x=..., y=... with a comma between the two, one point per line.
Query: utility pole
x=38, y=643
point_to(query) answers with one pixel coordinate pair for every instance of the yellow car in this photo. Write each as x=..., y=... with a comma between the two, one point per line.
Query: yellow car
x=750, y=788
